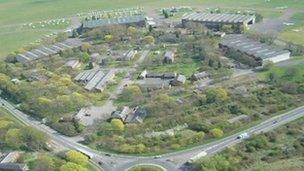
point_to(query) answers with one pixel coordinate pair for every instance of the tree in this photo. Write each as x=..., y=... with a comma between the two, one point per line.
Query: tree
x=4, y=124
x=131, y=31
x=75, y=33
x=34, y=140
x=217, y=133
x=85, y=47
x=210, y=63
x=148, y=40
x=44, y=163
x=140, y=148
x=150, y=28
x=166, y=13
x=77, y=157
x=117, y=125
x=61, y=37
x=219, y=64
x=85, y=57
x=69, y=166
x=108, y=38
x=267, y=66
x=216, y=95
x=131, y=93
x=90, y=65
x=13, y=138
x=227, y=28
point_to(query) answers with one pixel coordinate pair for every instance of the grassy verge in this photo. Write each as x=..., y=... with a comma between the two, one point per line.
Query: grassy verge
x=6, y=114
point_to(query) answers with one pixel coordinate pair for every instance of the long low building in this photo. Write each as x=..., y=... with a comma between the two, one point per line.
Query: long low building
x=95, y=79
x=48, y=51
x=139, y=20
x=215, y=20
x=259, y=51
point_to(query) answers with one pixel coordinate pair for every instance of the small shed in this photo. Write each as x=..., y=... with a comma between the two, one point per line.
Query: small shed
x=200, y=76
x=121, y=114
x=143, y=74
x=169, y=57
x=154, y=84
x=169, y=75
x=130, y=55
x=179, y=80
x=74, y=63
x=137, y=117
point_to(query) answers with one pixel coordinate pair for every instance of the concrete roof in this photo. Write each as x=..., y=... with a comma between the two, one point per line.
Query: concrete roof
x=252, y=47
x=113, y=21
x=222, y=17
x=95, y=78
x=169, y=54
x=48, y=50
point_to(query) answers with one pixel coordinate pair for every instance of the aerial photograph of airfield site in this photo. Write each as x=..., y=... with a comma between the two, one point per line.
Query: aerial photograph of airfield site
x=151, y=85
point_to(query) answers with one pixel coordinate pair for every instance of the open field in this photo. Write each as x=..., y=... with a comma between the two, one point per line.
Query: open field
x=34, y=10
x=26, y=11
x=292, y=34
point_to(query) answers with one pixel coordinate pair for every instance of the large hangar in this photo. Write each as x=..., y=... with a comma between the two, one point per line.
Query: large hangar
x=215, y=21
x=260, y=52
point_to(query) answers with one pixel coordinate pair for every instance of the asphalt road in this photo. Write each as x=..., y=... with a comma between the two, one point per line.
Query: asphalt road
x=170, y=161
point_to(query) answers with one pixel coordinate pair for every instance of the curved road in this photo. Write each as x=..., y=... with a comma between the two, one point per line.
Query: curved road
x=170, y=161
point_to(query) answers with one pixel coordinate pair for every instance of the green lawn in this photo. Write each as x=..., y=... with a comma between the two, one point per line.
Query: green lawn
x=14, y=13
x=293, y=34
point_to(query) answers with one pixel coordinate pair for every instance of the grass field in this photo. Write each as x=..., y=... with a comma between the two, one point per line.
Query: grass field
x=15, y=13
x=293, y=34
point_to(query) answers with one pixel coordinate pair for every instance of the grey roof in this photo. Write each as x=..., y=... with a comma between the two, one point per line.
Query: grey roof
x=72, y=63
x=101, y=85
x=154, y=75
x=218, y=18
x=13, y=167
x=10, y=157
x=113, y=21
x=130, y=54
x=251, y=47
x=95, y=78
x=181, y=78
x=169, y=55
x=201, y=75
x=48, y=50
x=154, y=83
x=138, y=116
x=169, y=75
x=121, y=114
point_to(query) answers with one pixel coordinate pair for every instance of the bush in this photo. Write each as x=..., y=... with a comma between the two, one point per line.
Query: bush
x=217, y=133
